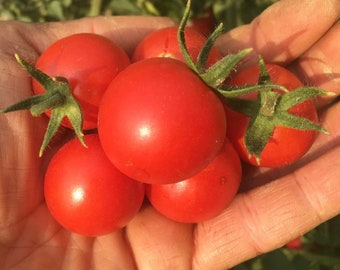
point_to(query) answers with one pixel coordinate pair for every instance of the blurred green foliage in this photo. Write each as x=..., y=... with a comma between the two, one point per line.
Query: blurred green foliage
x=231, y=12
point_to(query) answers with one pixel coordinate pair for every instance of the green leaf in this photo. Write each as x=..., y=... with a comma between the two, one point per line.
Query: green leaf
x=327, y=233
x=55, y=10
x=119, y=7
x=240, y=267
x=173, y=9
x=277, y=260
x=301, y=263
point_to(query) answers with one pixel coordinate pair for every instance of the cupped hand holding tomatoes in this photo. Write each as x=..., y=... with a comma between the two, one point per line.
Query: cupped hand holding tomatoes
x=202, y=196
x=86, y=194
x=29, y=238
x=159, y=123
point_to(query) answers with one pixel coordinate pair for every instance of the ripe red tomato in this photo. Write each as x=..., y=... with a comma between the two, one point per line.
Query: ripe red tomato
x=164, y=43
x=285, y=145
x=86, y=194
x=202, y=196
x=89, y=62
x=159, y=123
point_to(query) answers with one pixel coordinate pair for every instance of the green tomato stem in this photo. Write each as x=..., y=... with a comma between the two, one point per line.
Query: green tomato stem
x=57, y=98
x=181, y=38
x=216, y=74
x=204, y=53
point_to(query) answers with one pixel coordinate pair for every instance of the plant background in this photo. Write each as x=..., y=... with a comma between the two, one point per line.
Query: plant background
x=317, y=250
x=231, y=12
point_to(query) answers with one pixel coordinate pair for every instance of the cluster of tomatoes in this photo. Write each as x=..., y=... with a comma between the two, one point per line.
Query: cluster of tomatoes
x=160, y=133
x=155, y=129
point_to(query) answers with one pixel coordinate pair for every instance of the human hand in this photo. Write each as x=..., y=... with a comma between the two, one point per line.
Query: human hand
x=265, y=215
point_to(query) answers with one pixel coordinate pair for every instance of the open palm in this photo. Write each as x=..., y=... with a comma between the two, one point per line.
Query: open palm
x=273, y=207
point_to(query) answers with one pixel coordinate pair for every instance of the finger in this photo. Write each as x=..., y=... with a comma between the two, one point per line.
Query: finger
x=159, y=243
x=267, y=217
x=67, y=250
x=319, y=66
x=112, y=252
x=284, y=30
x=126, y=31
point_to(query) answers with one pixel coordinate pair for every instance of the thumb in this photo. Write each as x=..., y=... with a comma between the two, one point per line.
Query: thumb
x=284, y=30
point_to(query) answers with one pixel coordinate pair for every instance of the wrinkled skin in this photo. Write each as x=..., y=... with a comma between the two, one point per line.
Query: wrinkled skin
x=273, y=207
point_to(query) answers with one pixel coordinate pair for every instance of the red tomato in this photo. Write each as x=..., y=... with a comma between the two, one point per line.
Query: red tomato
x=286, y=145
x=164, y=43
x=202, y=196
x=296, y=244
x=159, y=123
x=86, y=194
x=89, y=62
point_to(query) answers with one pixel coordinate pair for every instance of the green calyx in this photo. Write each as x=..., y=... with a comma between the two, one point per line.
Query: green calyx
x=57, y=98
x=215, y=75
x=270, y=110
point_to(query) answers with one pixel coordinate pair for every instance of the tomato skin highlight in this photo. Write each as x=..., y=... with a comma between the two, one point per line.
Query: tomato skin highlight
x=86, y=194
x=286, y=145
x=164, y=43
x=159, y=123
x=89, y=62
x=203, y=196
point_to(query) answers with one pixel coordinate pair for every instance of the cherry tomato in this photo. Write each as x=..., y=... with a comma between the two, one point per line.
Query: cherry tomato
x=203, y=196
x=89, y=62
x=285, y=145
x=86, y=194
x=159, y=123
x=164, y=43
